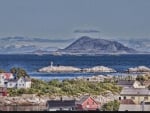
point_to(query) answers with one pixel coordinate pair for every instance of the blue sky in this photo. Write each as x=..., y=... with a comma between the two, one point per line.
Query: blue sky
x=57, y=19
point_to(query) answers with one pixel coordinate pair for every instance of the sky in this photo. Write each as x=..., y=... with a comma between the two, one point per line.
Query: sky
x=58, y=19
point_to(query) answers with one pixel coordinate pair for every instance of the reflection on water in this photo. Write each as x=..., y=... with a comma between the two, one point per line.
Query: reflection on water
x=22, y=108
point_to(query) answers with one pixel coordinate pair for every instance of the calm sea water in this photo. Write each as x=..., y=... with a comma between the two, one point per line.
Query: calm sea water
x=31, y=63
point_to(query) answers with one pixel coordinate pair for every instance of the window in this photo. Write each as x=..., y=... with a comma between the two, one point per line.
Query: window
x=146, y=98
x=124, y=98
x=133, y=98
x=119, y=98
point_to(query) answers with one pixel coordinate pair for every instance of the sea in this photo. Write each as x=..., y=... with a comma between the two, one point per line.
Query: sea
x=31, y=63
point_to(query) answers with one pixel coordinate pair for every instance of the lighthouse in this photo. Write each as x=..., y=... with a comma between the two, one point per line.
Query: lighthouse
x=51, y=64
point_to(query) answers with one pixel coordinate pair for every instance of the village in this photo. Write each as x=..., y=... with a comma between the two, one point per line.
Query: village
x=134, y=95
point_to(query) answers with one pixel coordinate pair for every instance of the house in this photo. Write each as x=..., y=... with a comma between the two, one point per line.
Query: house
x=136, y=94
x=127, y=101
x=98, y=78
x=134, y=107
x=138, y=84
x=125, y=83
x=60, y=105
x=146, y=83
x=22, y=82
x=87, y=103
x=4, y=77
x=12, y=83
x=3, y=91
x=130, y=83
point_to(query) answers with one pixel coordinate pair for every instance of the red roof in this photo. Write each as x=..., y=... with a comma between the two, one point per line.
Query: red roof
x=127, y=101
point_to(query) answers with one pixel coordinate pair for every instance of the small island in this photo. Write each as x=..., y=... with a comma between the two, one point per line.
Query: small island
x=52, y=68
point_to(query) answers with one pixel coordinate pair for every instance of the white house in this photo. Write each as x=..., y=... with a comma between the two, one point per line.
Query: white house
x=23, y=83
x=11, y=83
x=19, y=83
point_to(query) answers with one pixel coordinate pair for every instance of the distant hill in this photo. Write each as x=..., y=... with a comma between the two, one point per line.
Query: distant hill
x=87, y=45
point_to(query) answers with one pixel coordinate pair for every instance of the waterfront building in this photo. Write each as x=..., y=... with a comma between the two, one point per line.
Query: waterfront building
x=87, y=103
x=136, y=94
x=60, y=105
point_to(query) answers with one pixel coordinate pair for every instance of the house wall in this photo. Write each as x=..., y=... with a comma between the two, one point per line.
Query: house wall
x=28, y=84
x=59, y=109
x=137, y=99
x=2, y=81
x=20, y=83
x=137, y=85
x=11, y=84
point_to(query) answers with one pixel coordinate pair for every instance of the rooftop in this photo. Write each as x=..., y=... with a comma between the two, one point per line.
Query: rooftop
x=61, y=103
x=135, y=91
x=132, y=107
x=126, y=82
x=84, y=98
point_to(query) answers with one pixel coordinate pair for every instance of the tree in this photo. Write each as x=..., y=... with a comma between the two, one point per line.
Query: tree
x=19, y=72
x=111, y=106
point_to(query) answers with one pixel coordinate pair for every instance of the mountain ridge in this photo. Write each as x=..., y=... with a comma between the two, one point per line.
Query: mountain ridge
x=87, y=45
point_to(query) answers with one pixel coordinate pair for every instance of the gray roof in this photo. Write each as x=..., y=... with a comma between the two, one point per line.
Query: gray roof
x=12, y=80
x=133, y=107
x=125, y=82
x=60, y=103
x=135, y=91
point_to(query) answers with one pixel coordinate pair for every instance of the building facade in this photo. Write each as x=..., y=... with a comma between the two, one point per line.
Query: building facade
x=87, y=103
x=136, y=94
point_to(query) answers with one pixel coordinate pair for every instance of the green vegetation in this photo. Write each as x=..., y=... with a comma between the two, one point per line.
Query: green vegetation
x=66, y=87
x=111, y=106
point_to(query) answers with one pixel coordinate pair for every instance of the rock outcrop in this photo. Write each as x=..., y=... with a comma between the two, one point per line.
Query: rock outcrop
x=59, y=69
x=99, y=69
x=139, y=69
